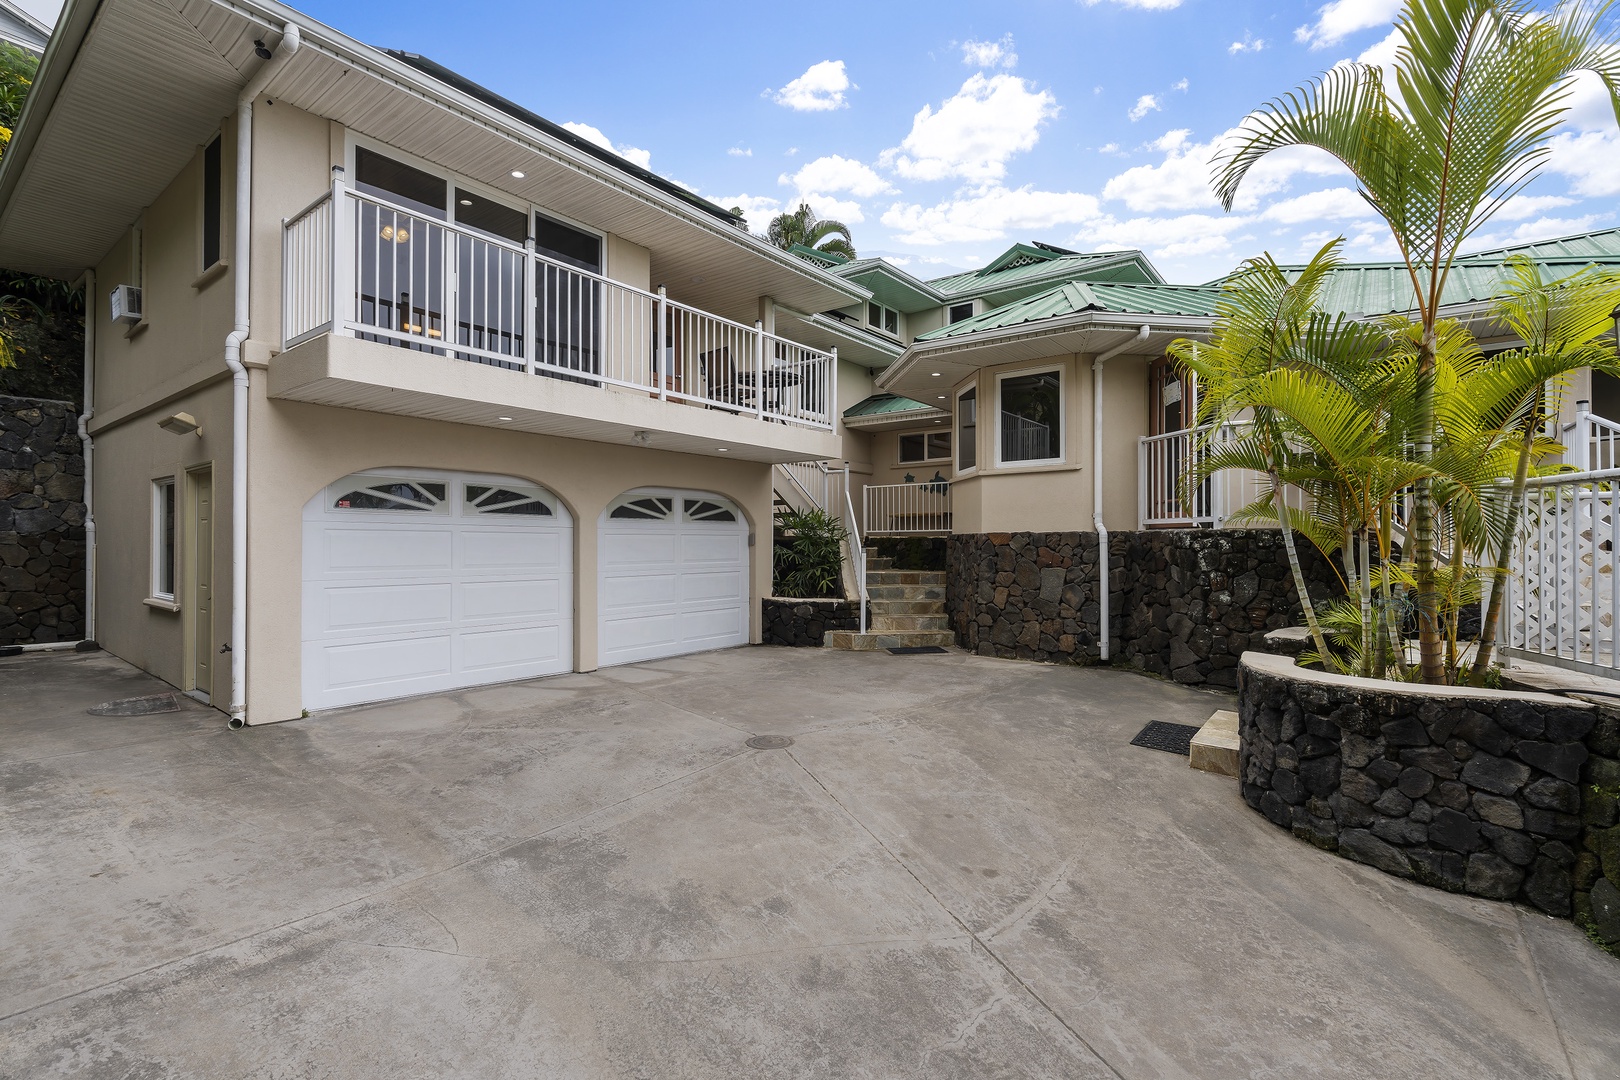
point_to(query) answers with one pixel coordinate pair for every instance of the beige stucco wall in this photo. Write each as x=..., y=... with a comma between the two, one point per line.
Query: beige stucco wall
x=298, y=449
x=1056, y=498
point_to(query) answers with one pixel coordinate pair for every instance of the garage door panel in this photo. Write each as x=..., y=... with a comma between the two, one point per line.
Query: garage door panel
x=622, y=549
x=710, y=546
x=706, y=626
x=723, y=585
x=648, y=589
x=623, y=636
x=520, y=652
x=375, y=663
x=487, y=550
x=505, y=600
x=375, y=551
x=350, y=609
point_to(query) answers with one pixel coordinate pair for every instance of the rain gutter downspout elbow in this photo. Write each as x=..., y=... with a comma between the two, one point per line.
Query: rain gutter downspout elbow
x=1103, y=614
x=241, y=383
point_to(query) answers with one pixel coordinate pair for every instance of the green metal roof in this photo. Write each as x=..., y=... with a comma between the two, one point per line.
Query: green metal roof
x=1592, y=245
x=1382, y=288
x=1030, y=268
x=883, y=404
x=810, y=254
x=1074, y=297
x=891, y=285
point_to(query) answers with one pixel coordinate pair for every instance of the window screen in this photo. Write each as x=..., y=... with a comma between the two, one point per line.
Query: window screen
x=961, y=311
x=1031, y=418
x=399, y=182
x=967, y=430
x=211, y=206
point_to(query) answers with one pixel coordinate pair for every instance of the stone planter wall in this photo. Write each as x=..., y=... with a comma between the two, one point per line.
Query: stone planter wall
x=1475, y=791
x=1184, y=603
x=801, y=623
x=41, y=522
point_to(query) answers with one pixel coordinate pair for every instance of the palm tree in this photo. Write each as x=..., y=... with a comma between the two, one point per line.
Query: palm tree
x=1480, y=87
x=802, y=227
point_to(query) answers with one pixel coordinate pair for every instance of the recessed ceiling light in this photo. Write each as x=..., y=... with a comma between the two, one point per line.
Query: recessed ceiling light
x=942, y=397
x=517, y=174
x=466, y=202
x=503, y=418
x=698, y=280
x=936, y=374
x=720, y=449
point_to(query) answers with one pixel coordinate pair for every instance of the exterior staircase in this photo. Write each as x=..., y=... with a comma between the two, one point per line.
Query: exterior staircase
x=907, y=611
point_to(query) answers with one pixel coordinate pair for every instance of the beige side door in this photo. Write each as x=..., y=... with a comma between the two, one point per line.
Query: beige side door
x=200, y=575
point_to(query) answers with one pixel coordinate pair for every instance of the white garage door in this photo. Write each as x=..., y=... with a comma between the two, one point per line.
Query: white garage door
x=674, y=573
x=416, y=582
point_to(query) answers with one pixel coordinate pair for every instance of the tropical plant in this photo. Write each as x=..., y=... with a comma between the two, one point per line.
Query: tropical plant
x=803, y=227
x=17, y=67
x=1480, y=85
x=809, y=553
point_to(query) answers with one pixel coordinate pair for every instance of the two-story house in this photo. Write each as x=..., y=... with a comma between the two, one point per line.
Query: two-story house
x=393, y=386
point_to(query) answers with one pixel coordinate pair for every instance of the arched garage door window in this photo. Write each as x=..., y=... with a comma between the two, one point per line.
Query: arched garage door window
x=417, y=581
x=674, y=575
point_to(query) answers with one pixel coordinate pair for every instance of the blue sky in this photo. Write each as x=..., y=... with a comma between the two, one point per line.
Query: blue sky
x=943, y=131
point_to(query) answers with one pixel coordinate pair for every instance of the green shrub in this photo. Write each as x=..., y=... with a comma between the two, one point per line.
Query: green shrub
x=809, y=554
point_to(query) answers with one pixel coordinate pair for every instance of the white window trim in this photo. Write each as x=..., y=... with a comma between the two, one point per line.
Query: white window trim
x=898, y=333
x=160, y=597
x=971, y=305
x=956, y=429
x=454, y=180
x=1063, y=416
x=925, y=460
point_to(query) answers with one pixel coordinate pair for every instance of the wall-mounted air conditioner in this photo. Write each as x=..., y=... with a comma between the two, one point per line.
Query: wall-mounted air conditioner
x=126, y=304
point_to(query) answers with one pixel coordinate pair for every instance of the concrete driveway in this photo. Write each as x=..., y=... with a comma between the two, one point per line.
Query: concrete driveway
x=959, y=869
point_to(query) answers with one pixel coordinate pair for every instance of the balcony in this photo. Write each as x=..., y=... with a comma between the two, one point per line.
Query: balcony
x=449, y=320
x=1168, y=499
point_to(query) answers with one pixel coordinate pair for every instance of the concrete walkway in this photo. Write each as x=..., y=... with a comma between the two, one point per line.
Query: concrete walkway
x=959, y=869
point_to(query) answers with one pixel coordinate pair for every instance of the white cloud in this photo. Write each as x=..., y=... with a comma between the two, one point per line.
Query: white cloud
x=838, y=174
x=757, y=209
x=1329, y=204
x=1180, y=85
x=1182, y=180
x=1145, y=104
x=1522, y=206
x=1180, y=237
x=633, y=154
x=1589, y=159
x=846, y=210
x=975, y=132
x=1108, y=148
x=988, y=215
x=1146, y=5
x=1249, y=44
x=990, y=54
x=1341, y=18
x=819, y=89
x=737, y=151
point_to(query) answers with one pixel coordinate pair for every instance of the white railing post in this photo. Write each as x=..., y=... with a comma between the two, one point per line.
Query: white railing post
x=1583, y=436
x=831, y=387
x=531, y=305
x=759, y=368
x=663, y=365
x=1141, y=483
x=343, y=242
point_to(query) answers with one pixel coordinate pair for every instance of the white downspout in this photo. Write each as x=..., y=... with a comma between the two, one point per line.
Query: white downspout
x=84, y=437
x=290, y=39
x=1097, y=485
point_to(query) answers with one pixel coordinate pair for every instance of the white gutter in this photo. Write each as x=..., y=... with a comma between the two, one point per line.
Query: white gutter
x=290, y=39
x=88, y=411
x=1097, y=484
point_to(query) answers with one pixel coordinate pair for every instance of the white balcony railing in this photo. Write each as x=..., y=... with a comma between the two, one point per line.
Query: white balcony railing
x=1166, y=496
x=1594, y=443
x=362, y=266
x=907, y=509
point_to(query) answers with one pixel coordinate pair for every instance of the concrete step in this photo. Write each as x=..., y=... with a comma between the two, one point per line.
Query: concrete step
x=906, y=592
x=902, y=639
x=1215, y=747
x=883, y=624
x=907, y=607
x=903, y=577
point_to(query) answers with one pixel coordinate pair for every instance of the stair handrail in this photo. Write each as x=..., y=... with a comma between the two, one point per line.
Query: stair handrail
x=794, y=480
x=857, y=552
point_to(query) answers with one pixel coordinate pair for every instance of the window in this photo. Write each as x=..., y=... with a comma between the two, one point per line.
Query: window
x=925, y=446
x=212, y=205
x=482, y=499
x=644, y=508
x=487, y=215
x=400, y=183
x=375, y=493
x=884, y=318
x=960, y=312
x=707, y=510
x=163, y=539
x=570, y=305
x=1031, y=417
x=967, y=429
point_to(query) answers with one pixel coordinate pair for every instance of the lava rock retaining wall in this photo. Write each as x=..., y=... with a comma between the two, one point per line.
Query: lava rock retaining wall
x=1480, y=792
x=801, y=623
x=42, y=547
x=1184, y=603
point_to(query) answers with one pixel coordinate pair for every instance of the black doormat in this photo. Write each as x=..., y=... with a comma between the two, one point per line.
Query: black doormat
x=917, y=650
x=1171, y=738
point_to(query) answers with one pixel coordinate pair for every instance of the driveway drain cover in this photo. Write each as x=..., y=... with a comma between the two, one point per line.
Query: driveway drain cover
x=1171, y=738
x=137, y=706
x=770, y=742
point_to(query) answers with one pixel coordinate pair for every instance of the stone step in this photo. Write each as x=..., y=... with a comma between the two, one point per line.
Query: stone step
x=1215, y=747
x=907, y=607
x=902, y=639
x=906, y=592
x=878, y=562
x=884, y=623
x=903, y=577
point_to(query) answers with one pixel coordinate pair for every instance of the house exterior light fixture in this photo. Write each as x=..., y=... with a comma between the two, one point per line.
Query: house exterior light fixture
x=181, y=423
